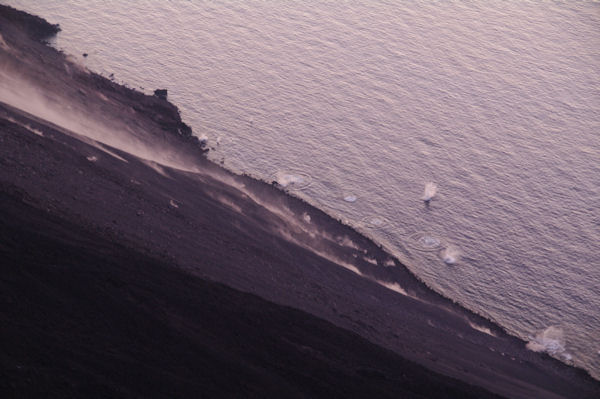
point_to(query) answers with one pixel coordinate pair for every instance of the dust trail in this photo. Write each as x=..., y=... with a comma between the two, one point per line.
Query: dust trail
x=3, y=44
x=26, y=126
x=69, y=117
x=482, y=329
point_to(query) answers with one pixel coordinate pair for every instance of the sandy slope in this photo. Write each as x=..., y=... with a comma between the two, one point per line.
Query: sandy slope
x=110, y=249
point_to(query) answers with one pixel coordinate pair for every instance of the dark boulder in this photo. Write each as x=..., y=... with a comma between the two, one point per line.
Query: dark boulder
x=161, y=93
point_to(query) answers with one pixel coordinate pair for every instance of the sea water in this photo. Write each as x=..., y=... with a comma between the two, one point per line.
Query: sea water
x=489, y=111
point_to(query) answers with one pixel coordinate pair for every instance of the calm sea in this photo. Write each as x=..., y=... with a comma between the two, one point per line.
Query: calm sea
x=358, y=105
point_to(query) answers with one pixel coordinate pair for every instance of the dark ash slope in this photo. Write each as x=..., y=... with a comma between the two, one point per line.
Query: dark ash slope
x=108, y=261
x=83, y=316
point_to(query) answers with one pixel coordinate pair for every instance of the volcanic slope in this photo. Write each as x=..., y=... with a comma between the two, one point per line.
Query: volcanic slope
x=116, y=236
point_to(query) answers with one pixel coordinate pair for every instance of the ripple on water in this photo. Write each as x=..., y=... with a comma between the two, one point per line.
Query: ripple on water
x=424, y=241
x=375, y=222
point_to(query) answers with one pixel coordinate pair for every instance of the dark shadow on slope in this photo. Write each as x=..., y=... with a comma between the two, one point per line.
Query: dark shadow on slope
x=83, y=316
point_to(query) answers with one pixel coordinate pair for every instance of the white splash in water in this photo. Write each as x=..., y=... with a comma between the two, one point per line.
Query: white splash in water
x=430, y=191
x=350, y=198
x=286, y=180
x=551, y=341
x=450, y=255
x=292, y=179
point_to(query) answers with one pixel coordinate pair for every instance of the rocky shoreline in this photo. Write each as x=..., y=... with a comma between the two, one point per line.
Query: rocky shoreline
x=106, y=188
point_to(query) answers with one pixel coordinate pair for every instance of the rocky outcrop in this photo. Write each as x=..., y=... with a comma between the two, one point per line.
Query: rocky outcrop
x=37, y=28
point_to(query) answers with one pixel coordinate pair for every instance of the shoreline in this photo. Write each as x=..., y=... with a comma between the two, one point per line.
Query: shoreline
x=249, y=206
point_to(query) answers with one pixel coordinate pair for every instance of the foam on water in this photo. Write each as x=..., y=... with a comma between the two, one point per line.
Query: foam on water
x=552, y=341
x=350, y=198
x=424, y=241
x=450, y=255
x=375, y=222
x=292, y=179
